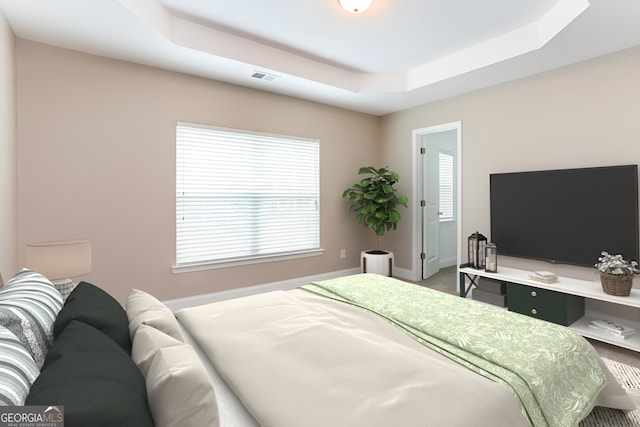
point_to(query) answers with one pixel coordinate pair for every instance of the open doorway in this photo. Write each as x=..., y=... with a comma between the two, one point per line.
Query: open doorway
x=436, y=226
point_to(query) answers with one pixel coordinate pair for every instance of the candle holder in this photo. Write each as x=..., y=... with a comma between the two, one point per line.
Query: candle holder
x=476, y=245
x=491, y=264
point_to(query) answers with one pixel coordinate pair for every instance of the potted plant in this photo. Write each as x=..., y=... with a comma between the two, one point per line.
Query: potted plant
x=616, y=273
x=374, y=199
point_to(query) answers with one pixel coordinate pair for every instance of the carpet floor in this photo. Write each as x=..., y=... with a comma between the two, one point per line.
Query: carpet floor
x=629, y=379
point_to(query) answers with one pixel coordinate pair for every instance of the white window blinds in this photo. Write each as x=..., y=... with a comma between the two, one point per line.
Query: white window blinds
x=446, y=186
x=242, y=195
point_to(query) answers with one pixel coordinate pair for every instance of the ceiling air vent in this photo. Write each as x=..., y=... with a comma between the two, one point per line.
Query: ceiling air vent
x=261, y=75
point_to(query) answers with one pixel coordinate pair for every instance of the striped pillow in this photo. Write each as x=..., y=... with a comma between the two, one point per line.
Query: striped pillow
x=29, y=304
x=18, y=370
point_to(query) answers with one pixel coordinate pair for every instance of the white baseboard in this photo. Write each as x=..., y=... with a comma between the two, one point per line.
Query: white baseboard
x=403, y=273
x=448, y=262
x=179, y=303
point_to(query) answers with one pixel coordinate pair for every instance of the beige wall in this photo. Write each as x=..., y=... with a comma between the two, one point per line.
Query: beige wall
x=96, y=155
x=583, y=115
x=8, y=166
x=97, y=161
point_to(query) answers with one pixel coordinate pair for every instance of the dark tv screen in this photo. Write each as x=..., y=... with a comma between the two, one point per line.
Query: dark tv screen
x=566, y=216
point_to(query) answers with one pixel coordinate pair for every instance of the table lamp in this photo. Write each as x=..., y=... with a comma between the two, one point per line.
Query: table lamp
x=59, y=261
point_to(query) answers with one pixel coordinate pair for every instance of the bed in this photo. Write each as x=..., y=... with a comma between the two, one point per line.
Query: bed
x=358, y=350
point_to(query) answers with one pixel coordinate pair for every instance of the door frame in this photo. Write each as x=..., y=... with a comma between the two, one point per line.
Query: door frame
x=416, y=227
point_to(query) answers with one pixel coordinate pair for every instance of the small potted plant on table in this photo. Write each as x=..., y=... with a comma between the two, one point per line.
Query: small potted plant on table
x=616, y=274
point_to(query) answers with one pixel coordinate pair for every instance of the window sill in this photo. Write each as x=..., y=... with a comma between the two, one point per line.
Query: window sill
x=210, y=265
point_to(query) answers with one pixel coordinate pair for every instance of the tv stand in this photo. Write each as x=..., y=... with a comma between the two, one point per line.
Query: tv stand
x=598, y=305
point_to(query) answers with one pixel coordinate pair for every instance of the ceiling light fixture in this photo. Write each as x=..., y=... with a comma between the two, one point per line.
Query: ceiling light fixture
x=355, y=6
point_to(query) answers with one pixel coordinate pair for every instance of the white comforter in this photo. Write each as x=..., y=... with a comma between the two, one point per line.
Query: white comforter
x=295, y=359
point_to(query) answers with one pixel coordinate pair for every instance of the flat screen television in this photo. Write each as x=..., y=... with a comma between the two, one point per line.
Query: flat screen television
x=566, y=216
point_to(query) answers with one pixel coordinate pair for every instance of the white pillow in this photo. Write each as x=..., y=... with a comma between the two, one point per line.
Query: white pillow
x=146, y=342
x=179, y=391
x=143, y=308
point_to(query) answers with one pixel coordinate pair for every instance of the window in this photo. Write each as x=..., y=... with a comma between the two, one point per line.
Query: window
x=244, y=196
x=446, y=186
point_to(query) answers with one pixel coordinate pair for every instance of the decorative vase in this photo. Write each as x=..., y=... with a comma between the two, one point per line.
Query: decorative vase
x=616, y=284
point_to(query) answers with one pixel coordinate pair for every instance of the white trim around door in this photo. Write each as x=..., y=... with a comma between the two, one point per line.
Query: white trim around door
x=417, y=140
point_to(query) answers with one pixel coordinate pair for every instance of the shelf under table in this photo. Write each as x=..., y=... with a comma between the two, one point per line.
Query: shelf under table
x=591, y=290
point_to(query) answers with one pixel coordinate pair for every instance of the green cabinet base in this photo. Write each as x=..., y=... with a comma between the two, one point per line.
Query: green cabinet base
x=556, y=307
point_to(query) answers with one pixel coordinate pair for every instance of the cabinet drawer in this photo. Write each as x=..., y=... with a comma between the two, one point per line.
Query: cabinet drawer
x=544, y=304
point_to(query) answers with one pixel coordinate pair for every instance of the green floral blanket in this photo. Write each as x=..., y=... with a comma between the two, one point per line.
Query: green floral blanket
x=552, y=371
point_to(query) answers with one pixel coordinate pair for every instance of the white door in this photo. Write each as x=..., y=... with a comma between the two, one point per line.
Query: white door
x=435, y=239
x=431, y=203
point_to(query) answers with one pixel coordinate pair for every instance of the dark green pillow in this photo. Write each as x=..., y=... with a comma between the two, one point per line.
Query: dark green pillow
x=95, y=380
x=86, y=290
x=93, y=306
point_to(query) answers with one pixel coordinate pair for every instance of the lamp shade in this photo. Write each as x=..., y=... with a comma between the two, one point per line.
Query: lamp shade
x=59, y=259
